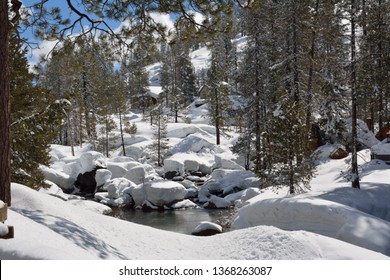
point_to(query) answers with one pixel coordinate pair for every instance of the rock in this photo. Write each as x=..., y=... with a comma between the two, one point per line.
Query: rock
x=117, y=169
x=184, y=204
x=192, y=193
x=217, y=202
x=171, y=174
x=191, y=165
x=164, y=192
x=138, y=195
x=102, y=176
x=141, y=173
x=195, y=179
x=197, y=173
x=188, y=184
x=178, y=179
x=148, y=206
x=172, y=165
x=207, y=229
x=86, y=182
x=224, y=163
x=91, y=161
x=339, y=153
x=61, y=179
x=117, y=187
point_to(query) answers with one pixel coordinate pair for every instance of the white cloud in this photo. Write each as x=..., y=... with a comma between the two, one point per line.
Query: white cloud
x=164, y=19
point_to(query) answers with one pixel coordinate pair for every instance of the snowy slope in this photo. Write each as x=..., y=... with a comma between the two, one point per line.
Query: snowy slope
x=49, y=228
x=332, y=208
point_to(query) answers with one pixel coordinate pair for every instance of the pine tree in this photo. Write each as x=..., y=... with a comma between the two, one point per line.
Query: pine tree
x=160, y=143
x=36, y=116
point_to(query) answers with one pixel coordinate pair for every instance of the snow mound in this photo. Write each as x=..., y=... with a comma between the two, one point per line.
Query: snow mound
x=90, y=160
x=319, y=216
x=224, y=182
x=382, y=148
x=87, y=235
x=207, y=226
x=164, y=192
x=195, y=144
x=59, y=178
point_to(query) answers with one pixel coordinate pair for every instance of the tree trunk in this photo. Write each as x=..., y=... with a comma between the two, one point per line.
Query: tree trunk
x=5, y=143
x=121, y=130
x=217, y=117
x=354, y=168
x=311, y=70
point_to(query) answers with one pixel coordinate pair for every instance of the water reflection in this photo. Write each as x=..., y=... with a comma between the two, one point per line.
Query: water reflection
x=182, y=221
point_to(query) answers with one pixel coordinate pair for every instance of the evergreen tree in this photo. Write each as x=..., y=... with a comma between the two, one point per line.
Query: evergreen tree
x=160, y=143
x=36, y=116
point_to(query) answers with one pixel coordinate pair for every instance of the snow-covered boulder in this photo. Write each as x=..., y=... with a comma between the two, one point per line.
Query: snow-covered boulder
x=191, y=165
x=364, y=136
x=224, y=182
x=195, y=144
x=141, y=173
x=117, y=187
x=164, y=192
x=239, y=199
x=138, y=194
x=183, y=204
x=91, y=160
x=102, y=176
x=117, y=169
x=224, y=163
x=217, y=202
x=122, y=201
x=173, y=165
x=61, y=179
x=206, y=229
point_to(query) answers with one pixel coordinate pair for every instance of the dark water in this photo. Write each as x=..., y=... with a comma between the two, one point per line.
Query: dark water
x=182, y=221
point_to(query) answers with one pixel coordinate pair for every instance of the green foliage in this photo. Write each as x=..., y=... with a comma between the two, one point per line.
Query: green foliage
x=286, y=144
x=35, y=119
x=130, y=128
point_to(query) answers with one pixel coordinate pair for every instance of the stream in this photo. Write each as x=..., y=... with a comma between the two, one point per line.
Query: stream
x=181, y=221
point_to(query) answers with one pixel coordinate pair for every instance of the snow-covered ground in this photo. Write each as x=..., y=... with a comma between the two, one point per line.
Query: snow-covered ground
x=331, y=221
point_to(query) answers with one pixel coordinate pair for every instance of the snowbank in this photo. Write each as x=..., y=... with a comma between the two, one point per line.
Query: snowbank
x=57, y=230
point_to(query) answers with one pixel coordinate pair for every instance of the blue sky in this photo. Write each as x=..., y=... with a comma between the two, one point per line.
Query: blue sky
x=46, y=46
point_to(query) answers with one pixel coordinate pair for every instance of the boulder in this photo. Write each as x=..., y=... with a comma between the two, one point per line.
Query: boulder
x=141, y=173
x=164, y=192
x=191, y=165
x=61, y=179
x=207, y=229
x=118, y=186
x=173, y=165
x=117, y=169
x=86, y=182
x=221, y=162
x=171, y=174
x=102, y=176
x=216, y=202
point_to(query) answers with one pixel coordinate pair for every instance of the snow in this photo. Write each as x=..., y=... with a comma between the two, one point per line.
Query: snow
x=207, y=226
x=58, y=230
x=359, y=217
x=382, y=148
x=331, y=221
x=163, y=192
x=3, y=229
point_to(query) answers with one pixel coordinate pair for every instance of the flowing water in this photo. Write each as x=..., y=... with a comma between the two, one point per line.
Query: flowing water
x=181, y=221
